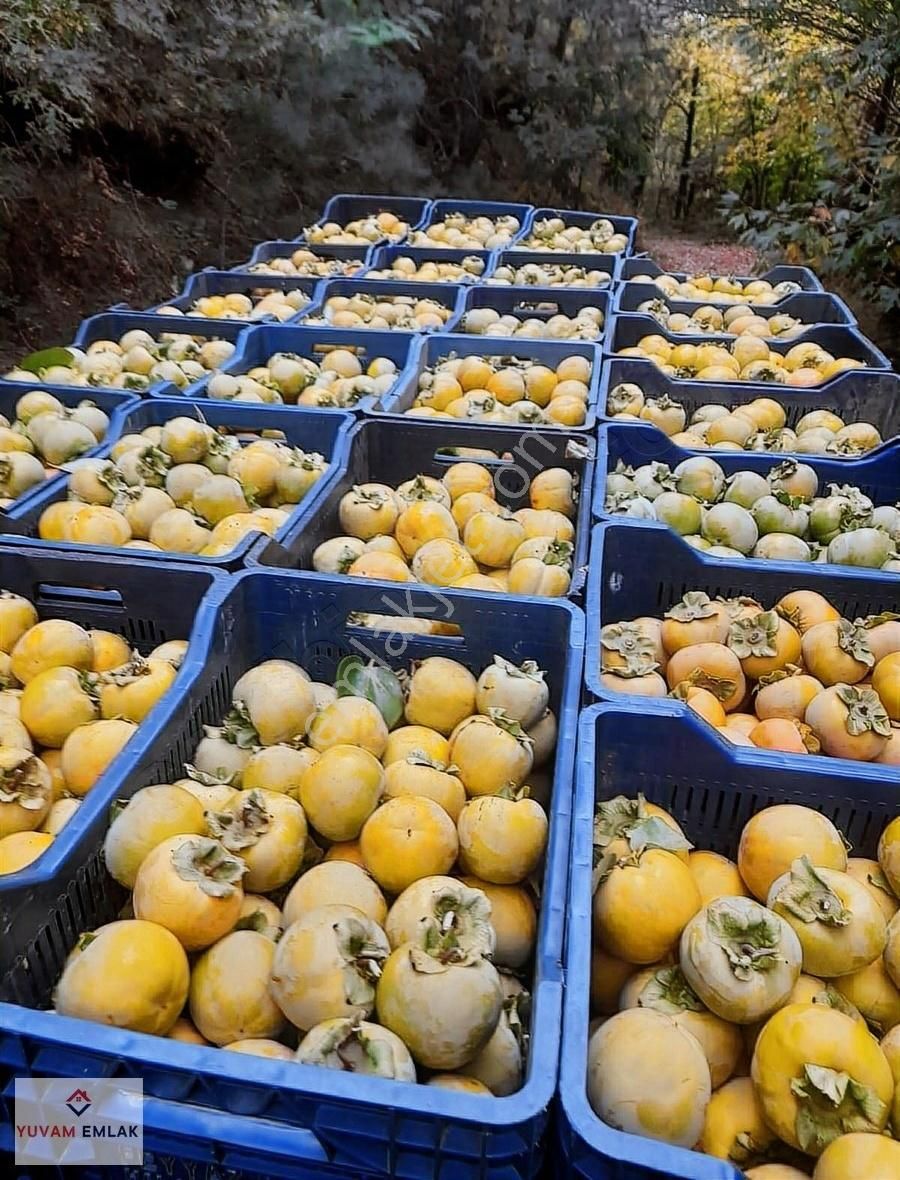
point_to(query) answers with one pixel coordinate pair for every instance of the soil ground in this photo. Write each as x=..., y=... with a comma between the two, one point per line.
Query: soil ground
x=694, y=255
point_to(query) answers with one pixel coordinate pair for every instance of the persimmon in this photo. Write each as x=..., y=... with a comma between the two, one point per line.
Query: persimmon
x=779, y=733
x=709, y=665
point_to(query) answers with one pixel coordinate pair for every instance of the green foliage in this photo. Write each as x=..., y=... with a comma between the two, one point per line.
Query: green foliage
x=139, y=140
x=753, y=111
x=848, y=225
x=82, y=65
x=551, y=95
x=851, y=232
x=544, y=99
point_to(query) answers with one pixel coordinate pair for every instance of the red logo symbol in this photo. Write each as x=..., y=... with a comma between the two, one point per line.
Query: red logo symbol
x=78, y=1102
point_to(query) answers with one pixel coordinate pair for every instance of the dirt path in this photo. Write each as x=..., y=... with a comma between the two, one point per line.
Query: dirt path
x=693, y=255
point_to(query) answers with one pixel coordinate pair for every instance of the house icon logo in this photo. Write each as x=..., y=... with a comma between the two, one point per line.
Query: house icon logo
x=78, y=1102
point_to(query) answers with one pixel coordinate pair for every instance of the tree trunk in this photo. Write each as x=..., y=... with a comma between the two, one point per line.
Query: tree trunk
x=885, y=100
x=879, y=120
x=787, y=183
x=562, y=37
x=681, y=199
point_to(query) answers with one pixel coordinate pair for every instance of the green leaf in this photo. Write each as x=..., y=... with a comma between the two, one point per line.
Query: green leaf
x=748, y=933
x=629, y=640
x=879, y=880
x=830, y=997
x=255, y=921
x=831, y=1103
x=47, y=358
x=854, y=641
x=616, y=817
x=871, y=621
x=220, y=778
x=865, y=710
x=755, y=636
x=244, y=826
x=830, y=1084
x=653, y=832
x=695, y=605
x=668, y=991
x=116, y=808
x=807, y=896
x=209, y=865
x=375, y=683
x=239, y=729
x=720, y=686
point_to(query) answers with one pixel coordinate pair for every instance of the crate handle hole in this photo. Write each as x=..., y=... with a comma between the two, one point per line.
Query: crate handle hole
x=51, y=595
x=541, y=306
x=444, y=456
x=356, y=349
x=400, y=637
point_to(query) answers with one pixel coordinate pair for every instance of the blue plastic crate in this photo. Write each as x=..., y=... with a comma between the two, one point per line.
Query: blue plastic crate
x=862, y=395
x=279, y=248
x=184, y=1142
x=114, y=403
x=313, y=431
x=643, y=568
x=432, y=349
x=622, y=225
x=262, y=341
x=382, y=258
x=447, y=294
x=640, y=264
x=541, y=303
x=110, y=325
x=877, y=474
x=226, y=282
x=114, y=323
x=839, y=340
x=363, y=1125
x=345, y=207
x=386, y=451
x=812, y=307
x=712, y=789
x=493, y=209
x=148, y=604
x=606, y=263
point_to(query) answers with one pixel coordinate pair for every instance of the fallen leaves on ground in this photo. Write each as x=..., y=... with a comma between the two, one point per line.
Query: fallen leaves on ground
x=694, y=256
